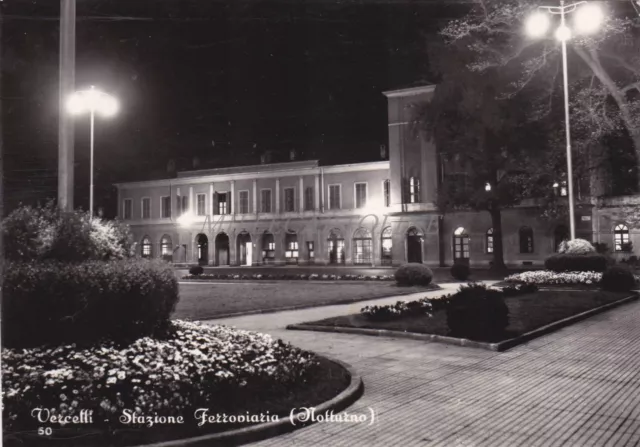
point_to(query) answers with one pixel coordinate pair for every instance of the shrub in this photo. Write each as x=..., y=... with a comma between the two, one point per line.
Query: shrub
x=601, y=247
x=592, y=262
x=47, y=233
x=196, y=270
x=477, y=312
x=54, y=302
x=618, y=279
x=398, y=310
x=460, y=271
x=413, y=274
x=576, y=247
x=547, y=277
x=627, y=247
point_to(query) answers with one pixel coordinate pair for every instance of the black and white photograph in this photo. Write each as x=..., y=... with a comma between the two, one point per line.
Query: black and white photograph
x=320, y=223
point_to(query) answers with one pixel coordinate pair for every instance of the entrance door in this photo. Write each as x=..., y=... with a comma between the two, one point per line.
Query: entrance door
x=222, y=249
x=414, y=246
x=248, y=249
x=202, y=243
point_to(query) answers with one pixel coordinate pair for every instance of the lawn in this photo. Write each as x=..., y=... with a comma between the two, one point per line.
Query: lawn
x=201, y=301
x=526, y=313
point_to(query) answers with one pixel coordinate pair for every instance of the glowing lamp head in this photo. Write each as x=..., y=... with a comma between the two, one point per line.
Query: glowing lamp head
x=589, y=18
x=92, y=101
x=186, y=219
x=537, y=24
x=563, y=33
x=487, y=187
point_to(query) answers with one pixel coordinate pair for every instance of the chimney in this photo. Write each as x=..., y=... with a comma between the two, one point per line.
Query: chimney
x=383, y=151
x=196, y=162
x=171, y=166
x=292, y=155
x=263, y=159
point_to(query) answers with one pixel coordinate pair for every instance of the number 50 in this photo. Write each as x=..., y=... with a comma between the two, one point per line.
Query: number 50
x=45, y=431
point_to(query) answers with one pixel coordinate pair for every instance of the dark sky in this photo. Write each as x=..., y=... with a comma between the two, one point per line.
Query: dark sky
x=249, y=76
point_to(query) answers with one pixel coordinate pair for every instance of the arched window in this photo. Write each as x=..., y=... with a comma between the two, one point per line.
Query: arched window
x=145, y=247
x=268, y=247
x=489, y=240
x=291, y=245
x=387, y=244
x=621, y=237
x=561, y=233
x=362, y=246
x=526, y=240
x=166, y=249
x=460, y=244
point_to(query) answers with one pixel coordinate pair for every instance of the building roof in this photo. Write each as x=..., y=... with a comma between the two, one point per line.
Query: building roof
x=411, y=91
x=252, y=168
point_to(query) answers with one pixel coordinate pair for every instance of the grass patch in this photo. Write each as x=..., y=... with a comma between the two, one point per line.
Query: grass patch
x=200, y=301
x=526, y=313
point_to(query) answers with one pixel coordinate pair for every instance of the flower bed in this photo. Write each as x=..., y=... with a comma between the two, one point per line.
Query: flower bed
x=547, y=277
x=309, y=277
x=194, y=366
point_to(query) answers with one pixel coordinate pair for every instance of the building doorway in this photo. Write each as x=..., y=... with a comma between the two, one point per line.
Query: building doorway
x=245, y=248
x=202, y=244
x=222, y=249
x=335, y=245
x=414, y=245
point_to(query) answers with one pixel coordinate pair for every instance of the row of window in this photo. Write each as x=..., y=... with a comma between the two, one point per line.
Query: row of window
x=222, y=205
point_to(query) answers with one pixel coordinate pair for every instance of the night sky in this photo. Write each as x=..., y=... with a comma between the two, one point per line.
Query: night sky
x=221, y=81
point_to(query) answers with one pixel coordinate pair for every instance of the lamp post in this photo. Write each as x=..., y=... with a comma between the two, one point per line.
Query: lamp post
x=92, y=101
x=588, y=19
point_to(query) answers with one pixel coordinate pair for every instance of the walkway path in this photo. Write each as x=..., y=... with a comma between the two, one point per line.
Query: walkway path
x=579, y=386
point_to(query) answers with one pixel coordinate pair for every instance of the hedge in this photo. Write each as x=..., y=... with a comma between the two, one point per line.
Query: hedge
x=53, y=302
x=618, y=279
x=477, y=312
x=593, y=262
x=413, y=274
x=460, y=272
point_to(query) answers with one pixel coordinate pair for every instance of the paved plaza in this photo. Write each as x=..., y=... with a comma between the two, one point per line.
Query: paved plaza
x=579, y=386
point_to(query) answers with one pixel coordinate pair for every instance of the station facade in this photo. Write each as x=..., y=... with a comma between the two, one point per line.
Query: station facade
x=371, y=214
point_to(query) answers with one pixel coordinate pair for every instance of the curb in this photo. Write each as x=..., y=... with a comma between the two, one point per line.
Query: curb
x=499, y=347
x=271, y=429
x=309, y=306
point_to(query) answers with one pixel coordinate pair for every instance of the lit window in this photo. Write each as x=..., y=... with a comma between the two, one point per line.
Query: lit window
x=165, y=246
x=222, y=204
x=291, y=241
x=414, y=190
x=146, y=247
x=268, y=247
x=460, y=244
x=621, y=237
x=387, y=244
x=362, y=247
x=489, y=240
x=310, y=249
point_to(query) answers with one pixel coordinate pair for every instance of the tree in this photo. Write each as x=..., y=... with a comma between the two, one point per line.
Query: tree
x=485, y=140
x=604, y=68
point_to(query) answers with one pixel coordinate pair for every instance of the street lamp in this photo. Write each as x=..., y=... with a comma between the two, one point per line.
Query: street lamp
x=92, y=101
x=588, y=19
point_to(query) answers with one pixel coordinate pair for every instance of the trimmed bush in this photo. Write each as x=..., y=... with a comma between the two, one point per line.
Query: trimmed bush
x=576, y=247
x=618, y=279
x=47, y=233
x=460, y=272
x=413, y=274
x=592, y=262
x=477, y=312
x=54, y=302
x=519, y=289
x=196, y=270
